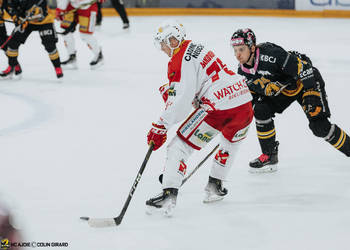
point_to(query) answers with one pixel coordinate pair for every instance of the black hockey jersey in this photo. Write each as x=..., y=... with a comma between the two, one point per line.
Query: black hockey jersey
x=35, y=11
x=274, y=64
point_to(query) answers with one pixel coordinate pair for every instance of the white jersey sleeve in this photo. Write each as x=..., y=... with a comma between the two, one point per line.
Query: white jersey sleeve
x=180, y=96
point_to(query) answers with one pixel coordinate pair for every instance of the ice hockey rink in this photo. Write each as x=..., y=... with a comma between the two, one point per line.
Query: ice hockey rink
x=73, y=148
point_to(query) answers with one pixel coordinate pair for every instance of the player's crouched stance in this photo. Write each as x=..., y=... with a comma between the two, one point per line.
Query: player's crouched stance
x=198, y=78
x=277, y=78
x=71, y=13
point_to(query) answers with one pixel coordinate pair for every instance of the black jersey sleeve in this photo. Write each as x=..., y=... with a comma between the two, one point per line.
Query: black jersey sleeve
x=293, y=65
x=252, y=83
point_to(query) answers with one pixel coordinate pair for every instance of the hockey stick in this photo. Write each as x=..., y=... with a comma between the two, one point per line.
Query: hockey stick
x=199, y=165
x=16, y=29
x=110, y=222
x=195, y=169
x=6, y=20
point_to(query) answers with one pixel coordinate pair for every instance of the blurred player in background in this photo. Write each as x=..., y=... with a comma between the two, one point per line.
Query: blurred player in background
x=8, y=233
x=119, y=7
x=82, y=12
x=3, y=32
x=28, y=16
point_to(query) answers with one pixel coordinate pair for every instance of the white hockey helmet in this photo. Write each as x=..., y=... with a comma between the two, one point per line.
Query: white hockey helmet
x=167, y=29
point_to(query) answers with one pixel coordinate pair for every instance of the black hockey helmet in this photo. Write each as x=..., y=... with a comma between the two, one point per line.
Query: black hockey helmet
x=243, y=36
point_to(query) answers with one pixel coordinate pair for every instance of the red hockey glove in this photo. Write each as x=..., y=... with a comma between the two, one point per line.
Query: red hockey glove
x=157, y=134
x=312, y=103
x=59, y=14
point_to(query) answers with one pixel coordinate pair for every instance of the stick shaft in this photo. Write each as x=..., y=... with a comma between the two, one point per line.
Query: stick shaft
x=133, y=187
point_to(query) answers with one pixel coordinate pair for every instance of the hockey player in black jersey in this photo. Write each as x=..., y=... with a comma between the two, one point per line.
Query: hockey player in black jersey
x=277, y=78
x=28, y=16
x=3, y=33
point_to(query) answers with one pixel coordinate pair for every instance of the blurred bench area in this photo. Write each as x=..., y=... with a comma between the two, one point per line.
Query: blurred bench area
x=281, y=8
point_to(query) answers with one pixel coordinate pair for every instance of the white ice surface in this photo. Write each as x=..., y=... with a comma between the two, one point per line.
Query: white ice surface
x=73, y=149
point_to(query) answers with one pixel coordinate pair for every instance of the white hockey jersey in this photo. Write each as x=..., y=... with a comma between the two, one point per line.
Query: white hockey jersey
x=197, y=74
x=81, y=4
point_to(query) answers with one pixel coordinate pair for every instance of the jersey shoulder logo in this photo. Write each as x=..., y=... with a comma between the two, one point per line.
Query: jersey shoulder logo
x=267, y=58
x=264, y=73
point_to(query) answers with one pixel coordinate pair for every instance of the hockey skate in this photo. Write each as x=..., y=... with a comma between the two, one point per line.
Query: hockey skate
x=164, y=202
x=265, y=163
x=214, y=191
x=98, y=25
x=12, y=72
x=70, y=63
x=59, y=72
x=97, y=62
x=126, y=26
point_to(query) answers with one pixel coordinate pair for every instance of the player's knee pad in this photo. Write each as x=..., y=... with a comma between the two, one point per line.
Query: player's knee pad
x=85, y=37
x=175, y=165
x=91, y=42
x=265, y=126
x=178, y=149
x=224, y=158
x=49, y=46
x=320, y=127
x=262, y=111
x=13, y=44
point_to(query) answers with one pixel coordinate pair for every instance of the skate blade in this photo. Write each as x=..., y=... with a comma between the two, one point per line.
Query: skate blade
x=8, y=77
x=212, y=198
x=17, y=77
x=97, y=65
x=166, y=211
x=264, y=169
x=73, y=66
x=59, y=80
x=150, y=210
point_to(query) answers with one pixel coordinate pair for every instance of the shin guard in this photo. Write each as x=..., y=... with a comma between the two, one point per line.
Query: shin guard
x=266, y=134
x=175, y=165
x=339, y=139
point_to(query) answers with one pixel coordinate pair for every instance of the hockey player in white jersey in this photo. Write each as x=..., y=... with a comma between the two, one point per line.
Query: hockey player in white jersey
x=222, y=106
x=82, y=12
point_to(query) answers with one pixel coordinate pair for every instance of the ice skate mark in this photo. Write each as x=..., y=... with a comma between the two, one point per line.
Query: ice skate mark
x=41, y=113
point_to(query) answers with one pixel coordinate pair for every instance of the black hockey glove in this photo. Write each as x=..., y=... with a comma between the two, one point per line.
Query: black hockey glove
x=20, y=23
x=312, y=103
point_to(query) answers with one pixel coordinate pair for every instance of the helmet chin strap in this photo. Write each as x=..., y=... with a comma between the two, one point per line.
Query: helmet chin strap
x=251, y=53
x=173, y=49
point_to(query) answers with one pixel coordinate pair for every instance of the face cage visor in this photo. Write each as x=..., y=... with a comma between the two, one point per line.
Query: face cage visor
x=165, y=35
x=238, y=41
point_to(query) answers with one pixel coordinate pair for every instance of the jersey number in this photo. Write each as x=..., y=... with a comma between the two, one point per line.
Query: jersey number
x=216, y=67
